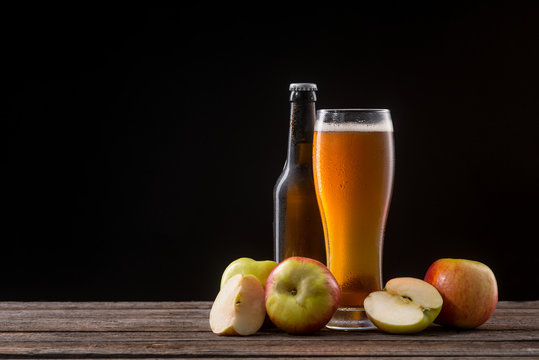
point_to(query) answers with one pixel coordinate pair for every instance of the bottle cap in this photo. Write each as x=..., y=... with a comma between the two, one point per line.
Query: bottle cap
x=303, y=87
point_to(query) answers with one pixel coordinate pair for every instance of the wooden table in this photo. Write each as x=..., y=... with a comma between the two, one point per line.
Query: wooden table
x=180, y=329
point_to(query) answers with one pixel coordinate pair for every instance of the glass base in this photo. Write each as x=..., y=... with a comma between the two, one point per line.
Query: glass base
x=350, y=319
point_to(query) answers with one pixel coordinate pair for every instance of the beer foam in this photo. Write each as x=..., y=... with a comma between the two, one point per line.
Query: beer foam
x=382, y=126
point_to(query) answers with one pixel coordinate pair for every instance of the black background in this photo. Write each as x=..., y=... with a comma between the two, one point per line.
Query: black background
x=143, y=144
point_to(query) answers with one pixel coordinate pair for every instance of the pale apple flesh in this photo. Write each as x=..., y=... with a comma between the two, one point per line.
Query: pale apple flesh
x=406, y=305
x=245, y=265
x=239, y=308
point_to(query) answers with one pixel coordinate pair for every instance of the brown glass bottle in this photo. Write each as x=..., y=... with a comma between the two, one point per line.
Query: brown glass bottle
x=297, y=225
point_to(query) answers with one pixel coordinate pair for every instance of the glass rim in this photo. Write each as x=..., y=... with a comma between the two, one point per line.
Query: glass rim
x=351, y=110
x=353, y=120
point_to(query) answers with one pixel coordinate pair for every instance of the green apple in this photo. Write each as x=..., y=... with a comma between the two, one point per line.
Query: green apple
x=244, y=265
x=301, y=295
x=406, y=305
x=239, y=308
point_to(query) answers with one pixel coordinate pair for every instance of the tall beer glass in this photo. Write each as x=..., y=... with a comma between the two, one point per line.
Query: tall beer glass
x=353, y=161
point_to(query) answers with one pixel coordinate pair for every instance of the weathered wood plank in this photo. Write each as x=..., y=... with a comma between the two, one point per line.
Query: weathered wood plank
x=170, y=320
x=253, y=347
x=518, y=304
x=92, y=312
x=435, y=333
x=128, y=305
x=149, y=357
x=380, y=357
x=127, y=329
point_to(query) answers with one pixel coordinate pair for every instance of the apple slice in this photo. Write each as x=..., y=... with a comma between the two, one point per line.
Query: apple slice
x=407, y=305
x=239, y=308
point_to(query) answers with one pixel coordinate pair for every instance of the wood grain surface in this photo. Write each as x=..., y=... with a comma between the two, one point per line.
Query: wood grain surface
x=127, y=330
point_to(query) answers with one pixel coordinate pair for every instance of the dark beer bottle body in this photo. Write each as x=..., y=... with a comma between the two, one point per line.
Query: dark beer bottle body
x=297, y=224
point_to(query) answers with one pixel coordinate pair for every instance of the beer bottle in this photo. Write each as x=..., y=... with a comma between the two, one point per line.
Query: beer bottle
x=297, y=227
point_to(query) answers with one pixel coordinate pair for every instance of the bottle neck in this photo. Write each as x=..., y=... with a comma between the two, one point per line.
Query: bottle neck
x=302, y=119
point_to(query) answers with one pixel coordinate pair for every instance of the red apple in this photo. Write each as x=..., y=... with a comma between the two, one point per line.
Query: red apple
x=301, y=295
x=469, y=291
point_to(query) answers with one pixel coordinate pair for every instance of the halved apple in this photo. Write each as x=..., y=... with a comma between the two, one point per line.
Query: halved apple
x=407, y=305
x=239, y=308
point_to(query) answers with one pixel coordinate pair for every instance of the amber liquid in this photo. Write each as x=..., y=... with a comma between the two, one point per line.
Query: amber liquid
x=353, y=173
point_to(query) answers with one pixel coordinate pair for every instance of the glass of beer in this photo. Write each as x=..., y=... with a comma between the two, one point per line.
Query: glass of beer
x=353, y=161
